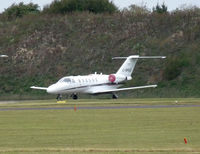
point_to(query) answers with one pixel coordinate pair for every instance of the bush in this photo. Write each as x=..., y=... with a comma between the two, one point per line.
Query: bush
x=65, y=6
x=160, y=9
x=15, y=11
x=173, y=68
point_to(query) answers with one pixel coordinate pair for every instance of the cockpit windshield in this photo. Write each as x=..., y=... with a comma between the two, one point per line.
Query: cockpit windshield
x=66, y=80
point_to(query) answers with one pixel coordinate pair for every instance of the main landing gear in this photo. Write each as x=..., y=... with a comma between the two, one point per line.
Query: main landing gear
x=114, y=96
x=74, y=96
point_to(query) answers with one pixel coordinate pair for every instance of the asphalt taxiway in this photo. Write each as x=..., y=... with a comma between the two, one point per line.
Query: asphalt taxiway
x=99, y=107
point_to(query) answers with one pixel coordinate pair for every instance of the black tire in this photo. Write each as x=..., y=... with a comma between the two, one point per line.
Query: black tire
x=75, y=97
x=114, y=96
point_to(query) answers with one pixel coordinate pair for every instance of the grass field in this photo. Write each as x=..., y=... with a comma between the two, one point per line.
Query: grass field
x=136, y=130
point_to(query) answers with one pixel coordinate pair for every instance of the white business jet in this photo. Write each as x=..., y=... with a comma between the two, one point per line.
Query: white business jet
x=98, y=83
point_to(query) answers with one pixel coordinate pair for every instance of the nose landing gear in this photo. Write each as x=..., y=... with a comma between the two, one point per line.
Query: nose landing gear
x=74, y=96
x=59, y=97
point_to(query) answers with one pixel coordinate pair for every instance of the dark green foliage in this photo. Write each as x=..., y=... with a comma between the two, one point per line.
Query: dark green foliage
x=21, y=9
x=160, y=9
x=173, y=68
x=66, y=6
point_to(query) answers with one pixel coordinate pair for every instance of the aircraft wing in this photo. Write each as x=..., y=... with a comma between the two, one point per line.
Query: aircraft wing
x=40, y=88
x=123, y=89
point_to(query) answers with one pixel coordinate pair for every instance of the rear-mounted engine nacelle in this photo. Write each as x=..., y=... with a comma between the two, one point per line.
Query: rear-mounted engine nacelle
x=116, y=78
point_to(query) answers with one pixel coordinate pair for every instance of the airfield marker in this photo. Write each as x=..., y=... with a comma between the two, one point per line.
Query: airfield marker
x=185, y=140
x=61, y=102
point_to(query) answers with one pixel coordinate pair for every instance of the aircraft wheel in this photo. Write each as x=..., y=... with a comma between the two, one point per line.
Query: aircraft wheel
x=114, y=96
x=74, y=96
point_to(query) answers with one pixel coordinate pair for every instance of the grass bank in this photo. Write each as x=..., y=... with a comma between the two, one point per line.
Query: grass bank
x=103, y=131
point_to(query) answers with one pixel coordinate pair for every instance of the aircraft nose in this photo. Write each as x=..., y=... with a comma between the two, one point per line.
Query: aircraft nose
x=51, y=89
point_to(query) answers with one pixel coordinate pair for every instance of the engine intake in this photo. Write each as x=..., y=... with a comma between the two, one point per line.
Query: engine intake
x=112, y=78
x=116, y=78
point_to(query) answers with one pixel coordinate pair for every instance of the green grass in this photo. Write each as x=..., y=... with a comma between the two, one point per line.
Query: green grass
x=101, y=131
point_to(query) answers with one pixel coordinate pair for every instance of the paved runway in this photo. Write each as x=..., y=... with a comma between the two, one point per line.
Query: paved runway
x=100, y=107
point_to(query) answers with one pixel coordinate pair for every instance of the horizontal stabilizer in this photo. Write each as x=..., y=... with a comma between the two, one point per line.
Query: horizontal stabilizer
x=141, y=57
x=40, y=88
x=124, y=89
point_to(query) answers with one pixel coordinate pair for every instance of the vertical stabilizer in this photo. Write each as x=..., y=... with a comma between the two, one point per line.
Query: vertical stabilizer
x=128, y=66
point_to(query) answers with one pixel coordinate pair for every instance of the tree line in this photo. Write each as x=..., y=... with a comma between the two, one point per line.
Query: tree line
x=69, y=6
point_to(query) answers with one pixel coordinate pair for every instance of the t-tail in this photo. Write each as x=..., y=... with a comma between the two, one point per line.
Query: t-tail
x=128, y=66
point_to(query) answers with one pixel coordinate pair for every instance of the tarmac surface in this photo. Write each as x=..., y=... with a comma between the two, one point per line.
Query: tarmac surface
x=99, y=107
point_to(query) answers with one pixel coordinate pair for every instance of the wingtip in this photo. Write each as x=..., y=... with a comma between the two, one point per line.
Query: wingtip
x=3, y=56
x=119, y=58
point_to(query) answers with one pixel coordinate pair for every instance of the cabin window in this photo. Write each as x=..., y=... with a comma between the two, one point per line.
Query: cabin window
x=79, y=80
